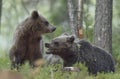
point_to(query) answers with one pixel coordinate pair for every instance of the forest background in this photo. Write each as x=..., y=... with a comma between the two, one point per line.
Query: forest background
x=56, y=11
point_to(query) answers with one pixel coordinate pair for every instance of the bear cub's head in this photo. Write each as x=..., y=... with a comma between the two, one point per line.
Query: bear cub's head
x=40, y=23
x=60, y=44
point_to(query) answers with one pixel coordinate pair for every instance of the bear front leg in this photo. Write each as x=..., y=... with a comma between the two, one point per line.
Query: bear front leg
x=14, y=66
x=16, y=63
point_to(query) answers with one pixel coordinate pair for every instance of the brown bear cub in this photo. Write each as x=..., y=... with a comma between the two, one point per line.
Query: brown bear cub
x=95, y=58
x=27, y=37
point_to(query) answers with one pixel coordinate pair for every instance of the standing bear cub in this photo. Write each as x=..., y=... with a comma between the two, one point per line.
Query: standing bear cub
x=26, y=41
x=95, y=58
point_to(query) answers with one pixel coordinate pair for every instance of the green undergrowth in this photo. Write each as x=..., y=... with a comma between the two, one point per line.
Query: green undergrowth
x=56, y=72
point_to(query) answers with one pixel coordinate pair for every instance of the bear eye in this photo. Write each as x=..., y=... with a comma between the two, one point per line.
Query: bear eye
x=46, y=23
x=56, y=43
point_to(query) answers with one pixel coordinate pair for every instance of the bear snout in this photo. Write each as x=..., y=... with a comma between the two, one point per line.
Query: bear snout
x=53, y=29
x=47, y=45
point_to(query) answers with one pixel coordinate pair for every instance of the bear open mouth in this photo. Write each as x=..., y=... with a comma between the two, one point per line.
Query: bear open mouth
x=50, y=51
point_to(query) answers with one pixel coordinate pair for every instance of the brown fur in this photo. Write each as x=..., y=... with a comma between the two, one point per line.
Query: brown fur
x=27, y=38
x=95, y=58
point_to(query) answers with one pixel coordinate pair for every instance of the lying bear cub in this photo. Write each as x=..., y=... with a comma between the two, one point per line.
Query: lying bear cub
x=95, y=58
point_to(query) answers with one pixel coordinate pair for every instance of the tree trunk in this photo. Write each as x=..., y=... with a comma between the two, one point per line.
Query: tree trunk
x=80, y=19
x=51, y=3
x=71, y=17
x=42, y=47
x=103, y=24
x=0, y=13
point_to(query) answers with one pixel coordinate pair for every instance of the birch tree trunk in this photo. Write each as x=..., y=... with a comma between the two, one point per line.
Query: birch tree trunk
x=0, y=13
x=42, y=47
x=80, y=19
x=103, y=24
x=76, y=24
x=71, y=17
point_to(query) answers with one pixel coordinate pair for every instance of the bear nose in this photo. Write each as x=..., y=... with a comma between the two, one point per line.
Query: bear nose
x=53, y=29
x=47, y=45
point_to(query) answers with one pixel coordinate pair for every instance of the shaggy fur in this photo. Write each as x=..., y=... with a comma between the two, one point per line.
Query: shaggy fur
x=26, y=41
x=95, y=58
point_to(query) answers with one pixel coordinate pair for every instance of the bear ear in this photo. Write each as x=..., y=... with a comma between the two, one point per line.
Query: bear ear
x=35, y=14
x=71, y=39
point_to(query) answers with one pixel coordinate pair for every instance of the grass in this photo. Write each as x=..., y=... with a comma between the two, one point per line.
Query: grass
x=55, y=72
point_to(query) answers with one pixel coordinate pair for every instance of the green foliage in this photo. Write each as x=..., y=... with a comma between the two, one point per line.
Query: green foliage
x=116, y=46
x=4, y=63
x=55, y=72
x=59, y=14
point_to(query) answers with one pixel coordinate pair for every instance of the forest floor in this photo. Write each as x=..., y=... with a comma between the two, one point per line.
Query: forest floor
x=55, y=72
